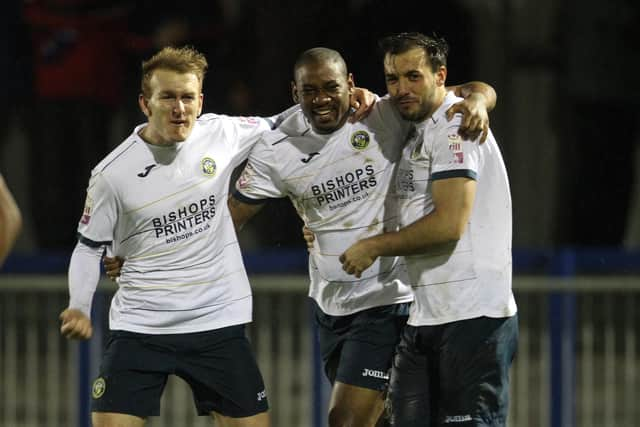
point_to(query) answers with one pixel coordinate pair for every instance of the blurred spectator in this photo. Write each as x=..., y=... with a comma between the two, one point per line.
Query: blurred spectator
x=81, y=50
x=78, y=75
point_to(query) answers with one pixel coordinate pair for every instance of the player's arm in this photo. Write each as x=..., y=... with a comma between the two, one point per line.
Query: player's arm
x=95, y=233
x=242, y=212
x=10, y=220
x=84, y=274
x=479, y=99
x=362, y=101
x=476, y=89
x=453, y=200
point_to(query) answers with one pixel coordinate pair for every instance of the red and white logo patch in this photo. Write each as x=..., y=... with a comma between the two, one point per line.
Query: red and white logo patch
x=244, y=181
x=86, y=212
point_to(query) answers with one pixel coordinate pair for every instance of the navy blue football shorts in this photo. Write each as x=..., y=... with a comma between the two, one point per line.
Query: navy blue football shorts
x=357, y=349
x=455, y=374
x=218, y=365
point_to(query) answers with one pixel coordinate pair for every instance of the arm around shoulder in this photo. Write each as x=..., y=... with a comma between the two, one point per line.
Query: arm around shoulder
x=242, y=212
x=477, y=89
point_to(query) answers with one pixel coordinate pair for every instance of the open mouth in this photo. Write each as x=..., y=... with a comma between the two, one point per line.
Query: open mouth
x=324, y=113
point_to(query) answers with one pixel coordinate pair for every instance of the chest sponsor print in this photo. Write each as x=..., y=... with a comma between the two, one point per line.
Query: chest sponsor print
x=185, y=222
x=344, y=189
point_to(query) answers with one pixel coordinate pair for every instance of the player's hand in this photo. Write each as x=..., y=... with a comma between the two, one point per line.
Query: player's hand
x=112, y=266
x=475, y=118
x=75, y=325
x=362, y=102
x=309, y=237
x=357, y=258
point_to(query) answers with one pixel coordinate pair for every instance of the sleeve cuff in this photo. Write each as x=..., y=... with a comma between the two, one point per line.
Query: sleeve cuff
x=455, y=173
x=91, y=243
x=248, y=200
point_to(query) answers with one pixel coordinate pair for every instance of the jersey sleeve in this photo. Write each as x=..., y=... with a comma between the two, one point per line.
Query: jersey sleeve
x=84, y=274
x=259, y=180
x=275, y=121
x=243, y=133
x=100, y=213
x=453, y=157
x=246, y=131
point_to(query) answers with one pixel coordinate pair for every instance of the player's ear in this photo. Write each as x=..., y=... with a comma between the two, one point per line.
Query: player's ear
x=441, y=75
x=294, y=92
x=351, y=82
x=142, y=102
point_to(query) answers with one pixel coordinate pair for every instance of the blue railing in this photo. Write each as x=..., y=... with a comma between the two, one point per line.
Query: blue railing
x=562, y=263
x=607, y=260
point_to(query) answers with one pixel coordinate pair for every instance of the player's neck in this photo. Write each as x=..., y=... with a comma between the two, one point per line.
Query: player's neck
x=147, y=136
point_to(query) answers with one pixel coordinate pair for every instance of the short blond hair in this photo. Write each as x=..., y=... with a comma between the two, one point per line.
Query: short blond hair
x=179, y=59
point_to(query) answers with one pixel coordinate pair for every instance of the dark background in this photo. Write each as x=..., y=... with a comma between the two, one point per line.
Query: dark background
x=565, y=73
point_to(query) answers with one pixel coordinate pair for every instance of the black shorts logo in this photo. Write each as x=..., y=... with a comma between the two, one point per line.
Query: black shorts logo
x=98, y=388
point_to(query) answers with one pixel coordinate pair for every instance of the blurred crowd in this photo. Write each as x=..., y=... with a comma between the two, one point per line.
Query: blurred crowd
x=73, y=72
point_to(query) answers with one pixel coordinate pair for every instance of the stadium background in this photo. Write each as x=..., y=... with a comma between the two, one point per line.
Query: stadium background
x=566, y=120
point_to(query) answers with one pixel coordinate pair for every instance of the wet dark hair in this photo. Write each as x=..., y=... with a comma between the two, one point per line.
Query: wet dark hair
x=435, y=47
x=319, y=55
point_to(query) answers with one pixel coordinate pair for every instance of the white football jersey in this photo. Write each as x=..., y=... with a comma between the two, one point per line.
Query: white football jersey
x=164, y=209
x=339, y=184
x=472, y=277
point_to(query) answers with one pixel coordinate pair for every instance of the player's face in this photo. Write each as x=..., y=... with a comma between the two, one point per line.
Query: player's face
x=323, y=92
x=172, y=108
x=414, y=88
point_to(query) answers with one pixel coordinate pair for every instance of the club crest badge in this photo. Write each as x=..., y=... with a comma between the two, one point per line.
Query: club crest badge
x=208, y=166
x=98, y=388
x=360, y=140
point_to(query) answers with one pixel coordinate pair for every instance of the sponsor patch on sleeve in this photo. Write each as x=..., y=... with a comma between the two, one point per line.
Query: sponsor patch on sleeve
x=88, y=208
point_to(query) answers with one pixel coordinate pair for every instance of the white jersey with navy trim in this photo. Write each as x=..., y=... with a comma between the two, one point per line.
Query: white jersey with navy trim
x=472, y=277
x=339, y=184
x=164, y=208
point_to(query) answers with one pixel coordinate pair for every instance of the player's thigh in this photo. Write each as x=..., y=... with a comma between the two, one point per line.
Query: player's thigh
x=110, y=419
x=259, y=420
x=332, y=331
x=362, y=372
x=410, y=397
x=132, y=375
x=368, y=347
x=355, y=406
x=223, y=374
x=474, y=371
